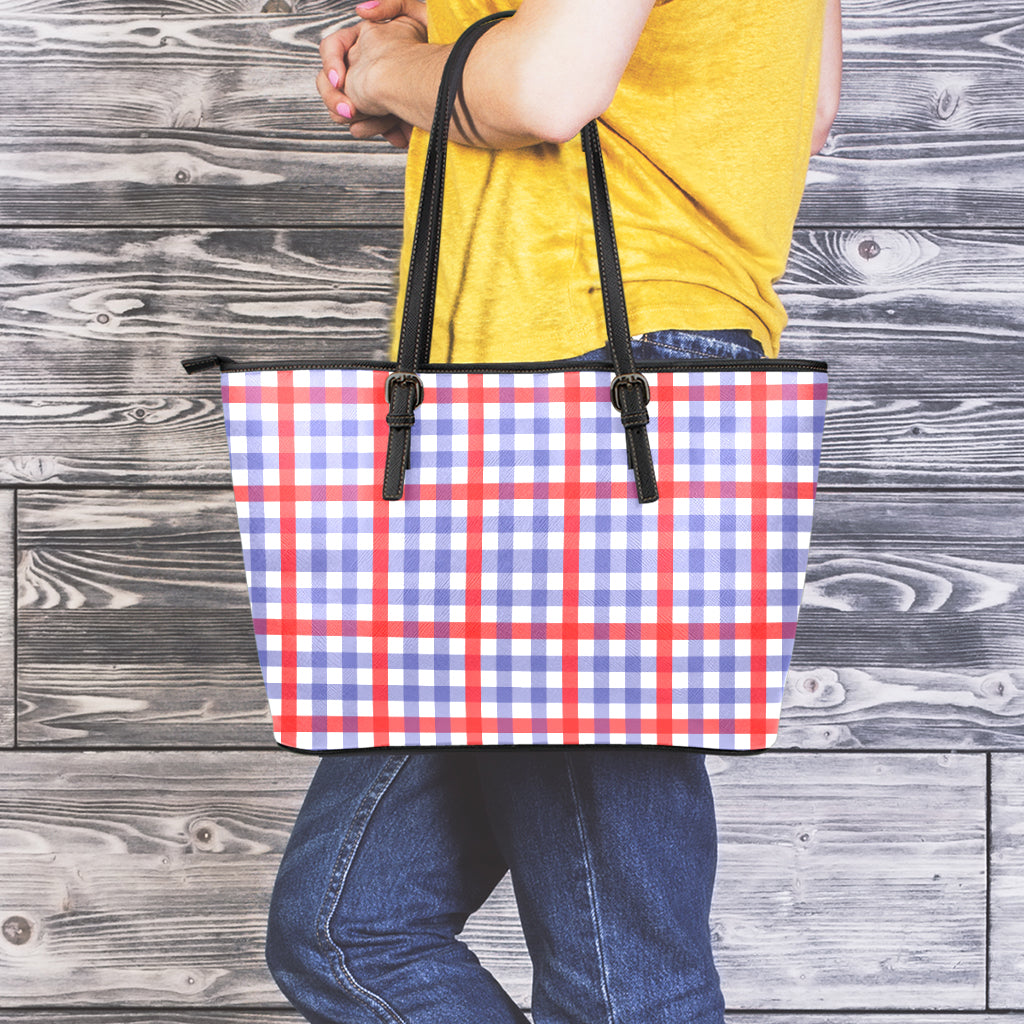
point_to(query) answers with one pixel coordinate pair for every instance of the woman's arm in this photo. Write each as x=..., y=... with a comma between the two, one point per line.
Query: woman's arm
x=537, y=77
x=830, y=75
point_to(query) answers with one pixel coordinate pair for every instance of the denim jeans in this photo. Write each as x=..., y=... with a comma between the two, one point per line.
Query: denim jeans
x=611, y=851
x=677, y=344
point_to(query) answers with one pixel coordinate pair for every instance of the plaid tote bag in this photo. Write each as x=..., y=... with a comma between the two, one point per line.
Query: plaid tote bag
x=575, y=553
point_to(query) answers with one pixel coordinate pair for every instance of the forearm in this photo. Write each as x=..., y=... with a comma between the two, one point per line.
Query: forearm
x=406, y=80
x=537, y=77
x=830, y=75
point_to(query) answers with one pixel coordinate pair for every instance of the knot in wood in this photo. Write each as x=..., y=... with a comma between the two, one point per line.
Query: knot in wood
x=182, y=177
x=277, y=7
x=204, y=834
x=17, y=930
x=103, y=318
x=946, y=104
x=869, y=249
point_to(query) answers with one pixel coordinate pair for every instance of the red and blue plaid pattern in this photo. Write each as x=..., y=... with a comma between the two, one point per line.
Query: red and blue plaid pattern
x=519, y=592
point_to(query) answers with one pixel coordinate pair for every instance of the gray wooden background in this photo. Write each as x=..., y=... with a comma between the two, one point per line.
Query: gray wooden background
x=170, y=186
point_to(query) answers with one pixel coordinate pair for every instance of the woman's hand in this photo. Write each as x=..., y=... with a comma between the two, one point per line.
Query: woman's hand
x=350, y=80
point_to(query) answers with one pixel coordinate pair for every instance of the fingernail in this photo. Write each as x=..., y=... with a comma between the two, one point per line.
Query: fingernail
x=369, y=5
x=333, y=77
x=344, y=109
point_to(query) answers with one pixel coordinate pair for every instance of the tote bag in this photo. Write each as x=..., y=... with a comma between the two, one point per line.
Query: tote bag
x=546, y=553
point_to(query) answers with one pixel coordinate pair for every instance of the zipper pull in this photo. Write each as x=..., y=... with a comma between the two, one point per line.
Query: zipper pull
x=199, y=363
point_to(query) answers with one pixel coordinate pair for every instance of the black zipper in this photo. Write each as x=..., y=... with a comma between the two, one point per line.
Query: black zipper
x=227, y=365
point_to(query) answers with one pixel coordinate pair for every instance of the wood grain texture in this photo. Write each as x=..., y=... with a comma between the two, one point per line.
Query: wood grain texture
x=868, y=838
x=134, y=613
x=198, y=178
x=105, y=313
x=197, y=1015
x=210, y=117
x=195, y=178
x=112, y=310
x=911, y=634
x=200, y=1015
x=142, y=879
x=881, y=17
x=253, y=73
x=921, y=329
x=163, y=8
x=1006, y=900
x=7, y=605
x=921, y=598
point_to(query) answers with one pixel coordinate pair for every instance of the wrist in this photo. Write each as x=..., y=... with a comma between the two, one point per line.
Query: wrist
x=407, y=80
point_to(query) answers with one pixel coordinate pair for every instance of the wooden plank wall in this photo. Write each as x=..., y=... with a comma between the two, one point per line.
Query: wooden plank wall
x=168, y=186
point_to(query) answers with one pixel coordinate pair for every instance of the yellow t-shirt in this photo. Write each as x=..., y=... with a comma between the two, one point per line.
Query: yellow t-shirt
x=706, y=145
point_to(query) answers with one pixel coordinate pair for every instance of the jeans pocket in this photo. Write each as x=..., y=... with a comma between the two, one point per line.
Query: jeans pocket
x=681, y=344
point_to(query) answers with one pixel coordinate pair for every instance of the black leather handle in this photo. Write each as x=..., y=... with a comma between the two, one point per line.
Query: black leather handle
x=630, y=392
x=421, y=283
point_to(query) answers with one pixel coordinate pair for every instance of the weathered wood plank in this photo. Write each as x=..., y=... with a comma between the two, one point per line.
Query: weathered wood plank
x=172, y=8
x=934, y=36
x=134, y=626
x=889, y=849
x=252, y=75
x=204, y=1015
x=968, y=36
x=922, y=330
x=7, y=697
x=1006, y=897
x=105, y=313
x=211, y=1015
x=143, y=878
x=924, y=90
x=163, y=8
x=858, y=15
x=967, y=281
x=152, y=627
x=195, y=178
x=920, y=599
x=114, y=310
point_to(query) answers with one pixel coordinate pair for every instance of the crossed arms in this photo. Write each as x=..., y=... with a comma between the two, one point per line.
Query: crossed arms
x=537, y=77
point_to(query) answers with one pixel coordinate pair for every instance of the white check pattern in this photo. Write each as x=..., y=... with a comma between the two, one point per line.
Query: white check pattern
x=519, y=593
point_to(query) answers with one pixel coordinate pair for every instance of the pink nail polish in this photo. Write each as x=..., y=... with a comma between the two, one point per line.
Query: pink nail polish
x=344, y=109
x=333, y=77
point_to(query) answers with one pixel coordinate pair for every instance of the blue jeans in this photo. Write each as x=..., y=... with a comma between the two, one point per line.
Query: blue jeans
x=676, y=344
x=611, y=850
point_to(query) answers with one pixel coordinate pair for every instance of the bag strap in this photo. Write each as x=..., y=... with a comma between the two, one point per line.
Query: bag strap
x=630, y=392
